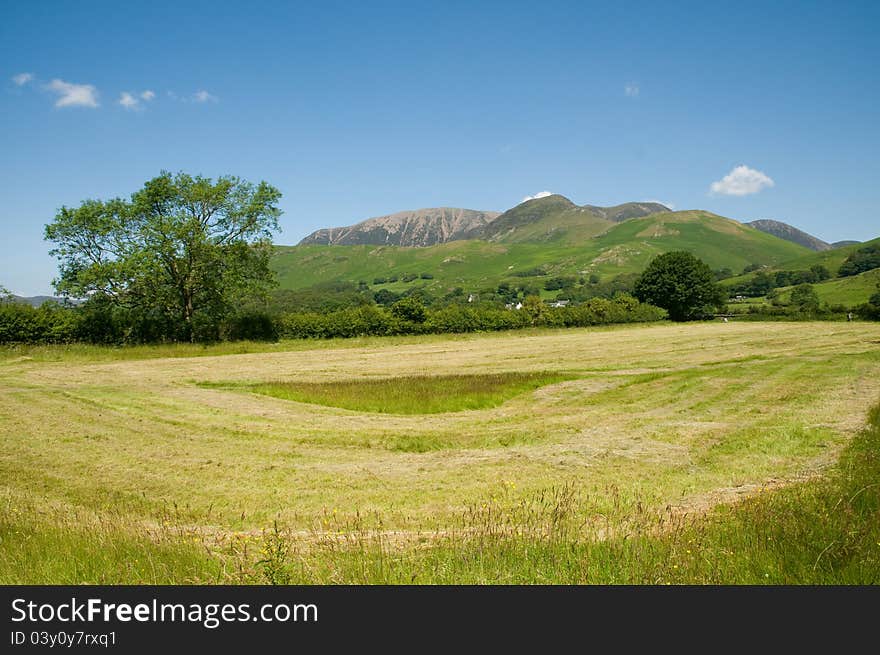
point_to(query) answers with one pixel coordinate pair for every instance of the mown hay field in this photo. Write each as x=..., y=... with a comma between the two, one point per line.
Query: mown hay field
x=640, y=420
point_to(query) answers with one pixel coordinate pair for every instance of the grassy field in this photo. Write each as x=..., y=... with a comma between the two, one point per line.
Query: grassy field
x=147, y=465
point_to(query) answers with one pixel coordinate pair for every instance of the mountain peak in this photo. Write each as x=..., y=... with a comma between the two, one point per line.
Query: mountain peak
x=619, y=213
x=553, y=200
x=416, y=227
x=790, y=233
x=556, y=217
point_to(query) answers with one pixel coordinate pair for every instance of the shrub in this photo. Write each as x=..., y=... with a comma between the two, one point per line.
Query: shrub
x=560, y=282
x=254, y=326
x=805, y=299
x=409, y=309
x=49, y=323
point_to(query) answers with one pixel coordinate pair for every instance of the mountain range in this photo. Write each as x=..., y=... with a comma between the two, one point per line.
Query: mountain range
x=541, y=219
x=430, y=227
x=474, y=249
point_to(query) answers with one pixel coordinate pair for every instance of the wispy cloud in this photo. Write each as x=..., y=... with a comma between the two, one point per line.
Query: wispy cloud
x=632, y=90
x=128, y=101
x=73, y=95
x=132, y=101
x=204, y=96
x=22, y=78
x=201, y=96
x=540, y=194
x=741, y=181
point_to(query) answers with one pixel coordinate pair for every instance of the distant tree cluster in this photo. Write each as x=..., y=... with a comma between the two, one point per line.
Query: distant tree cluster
x=561, y=282
x=863, y=259
x=871, y=309
x=406, y=278
x=764, y=281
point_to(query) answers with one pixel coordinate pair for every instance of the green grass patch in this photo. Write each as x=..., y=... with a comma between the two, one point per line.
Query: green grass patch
x=411, y=394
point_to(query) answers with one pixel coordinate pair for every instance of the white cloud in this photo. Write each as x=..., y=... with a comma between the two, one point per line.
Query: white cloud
x=132, y=101
x=632, y=90
x=73, y=95
x=22, y=78
x=128, y=101
x=204, y=96
x=741, y=181
x=540, y=194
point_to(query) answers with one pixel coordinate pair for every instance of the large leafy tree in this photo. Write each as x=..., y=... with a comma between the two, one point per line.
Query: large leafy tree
x=184, y=250
x=681, y=284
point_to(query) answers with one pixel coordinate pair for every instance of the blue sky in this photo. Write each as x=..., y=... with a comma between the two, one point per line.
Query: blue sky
x=360, y=109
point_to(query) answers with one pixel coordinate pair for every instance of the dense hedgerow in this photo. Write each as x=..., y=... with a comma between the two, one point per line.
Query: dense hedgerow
x=376, y=321
x=50, y=323
x=91, y=323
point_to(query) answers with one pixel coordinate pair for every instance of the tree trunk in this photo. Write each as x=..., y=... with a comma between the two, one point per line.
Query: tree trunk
x=188, y=315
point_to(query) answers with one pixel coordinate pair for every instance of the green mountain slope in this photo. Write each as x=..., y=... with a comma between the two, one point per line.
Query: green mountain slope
x=830, y=259
x=849, y=291
x=720, y=242
x=790, y=233
x=557, y=219
x=624, y=247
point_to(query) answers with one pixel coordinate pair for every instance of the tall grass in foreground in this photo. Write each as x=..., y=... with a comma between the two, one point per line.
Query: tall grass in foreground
x=50, y=546
x=824, y=531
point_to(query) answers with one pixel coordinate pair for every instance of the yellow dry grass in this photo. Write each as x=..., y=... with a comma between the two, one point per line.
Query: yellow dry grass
x=663, y=414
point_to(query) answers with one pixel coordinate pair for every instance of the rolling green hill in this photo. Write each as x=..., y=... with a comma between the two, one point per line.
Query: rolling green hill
x=720, y=242
x=556, y=219
x=849, y=291
x=830, y=259
x=560, y=238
